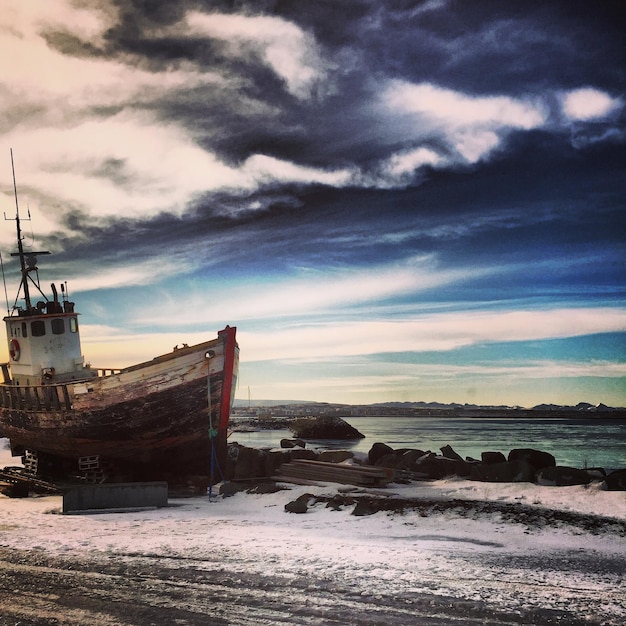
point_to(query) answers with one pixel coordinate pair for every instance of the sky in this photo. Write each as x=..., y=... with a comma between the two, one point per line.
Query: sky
x=396, y=201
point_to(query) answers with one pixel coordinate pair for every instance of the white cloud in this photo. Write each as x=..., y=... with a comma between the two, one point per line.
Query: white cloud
x=472, y=126
x=130, y=163
x=405, y=163
x=51, y=87
x=330, y=342
x=462, y=110
x=473, y=144
x=441, y=332
x=87, y=19
x=156, y=168
x=259, y=168
x=159, y=167
x=588, y=104
x=62, y=148
x=291, y=53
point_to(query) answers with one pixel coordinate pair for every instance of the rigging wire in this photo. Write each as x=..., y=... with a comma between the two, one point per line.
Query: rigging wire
x=4, y=280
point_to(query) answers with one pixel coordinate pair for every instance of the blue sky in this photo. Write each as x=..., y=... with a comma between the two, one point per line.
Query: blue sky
x=391, y=201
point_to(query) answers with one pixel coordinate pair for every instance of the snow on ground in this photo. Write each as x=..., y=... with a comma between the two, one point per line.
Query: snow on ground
x=480, y=557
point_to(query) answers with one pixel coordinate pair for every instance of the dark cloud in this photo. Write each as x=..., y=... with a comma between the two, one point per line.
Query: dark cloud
x=551, y=183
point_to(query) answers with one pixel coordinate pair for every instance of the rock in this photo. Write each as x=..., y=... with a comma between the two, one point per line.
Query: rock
x=536, y=458
x=250, y=463
x=616, y=481
x=401, y=451
x=409, y=459
x=273, y=460
x=449, y=453
x=299, y=505
x=596, y=473
x=335, y=456
x=377, y=451
x=254, y=463
x=292, y=443
x=437, y=467
x=264, y=487
x=227, y=489
x=560, y=476
x=363, y=508
x=324, y=427
x=338, y=501
x=299, y=453
x=387, y=460
x=490, y=458
x=508, y=472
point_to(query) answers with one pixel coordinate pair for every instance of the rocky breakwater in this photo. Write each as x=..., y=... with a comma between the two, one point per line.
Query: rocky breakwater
x=245, y=463
x=295, y=462
x=520, y=465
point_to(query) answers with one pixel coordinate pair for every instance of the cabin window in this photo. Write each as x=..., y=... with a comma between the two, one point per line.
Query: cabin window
x=19, y=330
x=38, y=328
x=73, y=325
x=58, y=326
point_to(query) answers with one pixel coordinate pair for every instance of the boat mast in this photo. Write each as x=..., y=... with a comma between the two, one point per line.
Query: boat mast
x=28, y=261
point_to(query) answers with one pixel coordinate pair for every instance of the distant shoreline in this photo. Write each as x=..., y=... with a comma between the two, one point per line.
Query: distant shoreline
x=289, y=412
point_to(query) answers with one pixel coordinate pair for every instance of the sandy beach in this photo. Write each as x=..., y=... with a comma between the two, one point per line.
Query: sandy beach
x=440, y=552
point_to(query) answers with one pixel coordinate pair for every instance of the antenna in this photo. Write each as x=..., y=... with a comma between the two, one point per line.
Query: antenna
x=19, y=239
x=17, y=207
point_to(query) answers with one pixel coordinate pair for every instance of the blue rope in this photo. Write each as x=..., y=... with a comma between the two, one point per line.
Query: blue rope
x=212, y=435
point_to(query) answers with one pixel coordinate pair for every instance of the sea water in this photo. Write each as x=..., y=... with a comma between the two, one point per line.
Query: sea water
x=584, y=443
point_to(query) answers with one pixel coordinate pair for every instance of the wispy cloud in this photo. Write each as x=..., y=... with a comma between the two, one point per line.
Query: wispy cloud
x=472, y=126
x=261, y=169
x=288, y=50
x=441, y=332
x=310, y=294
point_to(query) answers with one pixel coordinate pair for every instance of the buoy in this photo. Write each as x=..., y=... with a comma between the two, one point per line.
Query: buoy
x=14, y=349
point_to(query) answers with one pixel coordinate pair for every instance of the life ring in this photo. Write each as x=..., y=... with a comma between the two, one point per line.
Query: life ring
x=14, y=349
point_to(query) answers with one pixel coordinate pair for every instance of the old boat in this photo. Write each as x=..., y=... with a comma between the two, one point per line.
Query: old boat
x=165, y=419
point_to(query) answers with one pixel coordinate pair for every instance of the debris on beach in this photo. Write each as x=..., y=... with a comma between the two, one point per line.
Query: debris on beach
x=15, y=482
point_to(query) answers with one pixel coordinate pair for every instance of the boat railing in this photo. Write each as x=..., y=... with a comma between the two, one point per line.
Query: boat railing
x=107, y=371
x=35, y=398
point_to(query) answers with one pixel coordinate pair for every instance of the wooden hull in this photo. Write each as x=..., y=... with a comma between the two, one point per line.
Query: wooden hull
x=155, y=419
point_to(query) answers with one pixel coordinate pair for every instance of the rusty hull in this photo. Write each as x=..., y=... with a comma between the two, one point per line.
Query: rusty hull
x=156, y=415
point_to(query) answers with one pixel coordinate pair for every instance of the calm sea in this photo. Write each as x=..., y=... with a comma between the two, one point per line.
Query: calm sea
x=575, y=443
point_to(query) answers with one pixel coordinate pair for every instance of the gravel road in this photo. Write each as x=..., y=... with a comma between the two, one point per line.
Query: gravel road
x=36, y=589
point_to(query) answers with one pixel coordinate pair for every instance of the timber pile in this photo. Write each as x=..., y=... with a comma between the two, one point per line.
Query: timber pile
x=306, y=470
